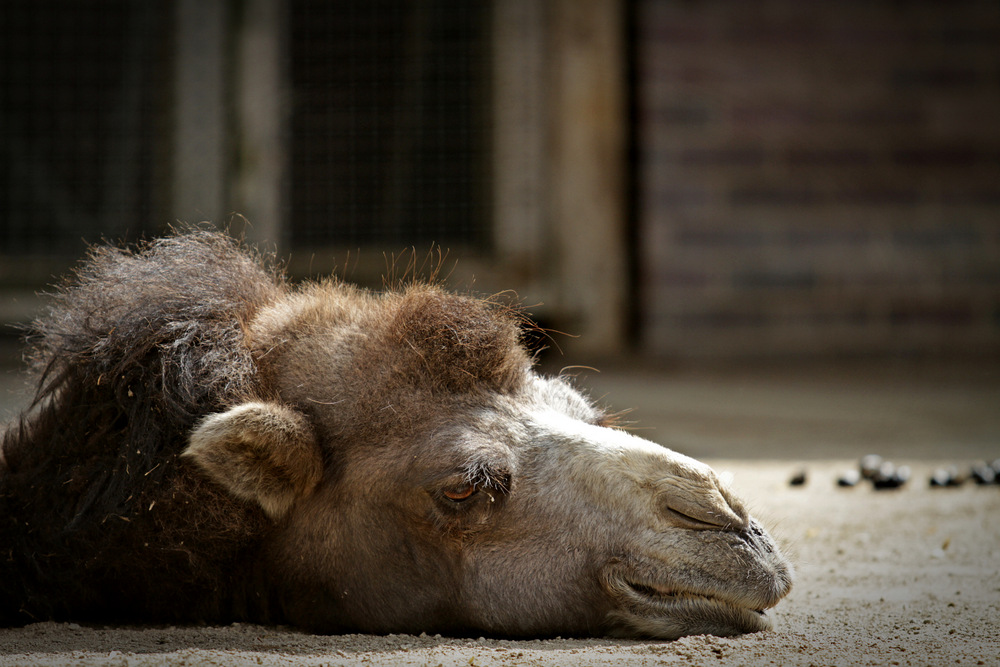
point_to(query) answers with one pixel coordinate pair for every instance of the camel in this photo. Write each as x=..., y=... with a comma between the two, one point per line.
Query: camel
x=210, y=444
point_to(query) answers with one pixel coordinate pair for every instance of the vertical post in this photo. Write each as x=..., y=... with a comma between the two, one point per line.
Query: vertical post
x=260, y=172
x=520, y=123
x=199, y=156
x=587, y=170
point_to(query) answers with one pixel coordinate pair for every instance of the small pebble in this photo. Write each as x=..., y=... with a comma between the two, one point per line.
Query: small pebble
x=948, y=476
x=890, y=476
x=869, y=465
x=942, y=477
x=982, y=473
x=799, y=478
x=849, y=478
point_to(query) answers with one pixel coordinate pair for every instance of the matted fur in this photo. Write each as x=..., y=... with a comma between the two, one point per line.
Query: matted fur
x=135, y=347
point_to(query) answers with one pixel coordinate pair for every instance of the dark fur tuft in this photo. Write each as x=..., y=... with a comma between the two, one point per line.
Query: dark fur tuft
x=460, y=342
x=135, y=348
x=169, y=315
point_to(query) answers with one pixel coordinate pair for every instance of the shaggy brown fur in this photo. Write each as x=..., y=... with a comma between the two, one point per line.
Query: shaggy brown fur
x=95, y=505
x=99, y=517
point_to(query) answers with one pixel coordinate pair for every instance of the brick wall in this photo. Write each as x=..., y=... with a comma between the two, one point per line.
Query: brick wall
x=818, y=177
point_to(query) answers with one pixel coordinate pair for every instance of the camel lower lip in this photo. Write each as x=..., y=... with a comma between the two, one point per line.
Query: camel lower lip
x=670, y=613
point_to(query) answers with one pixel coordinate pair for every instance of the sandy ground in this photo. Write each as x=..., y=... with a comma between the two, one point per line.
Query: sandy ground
x=899, y=577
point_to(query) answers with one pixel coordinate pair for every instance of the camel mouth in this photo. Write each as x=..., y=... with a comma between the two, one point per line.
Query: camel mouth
x=653, y=610
x=669, y=595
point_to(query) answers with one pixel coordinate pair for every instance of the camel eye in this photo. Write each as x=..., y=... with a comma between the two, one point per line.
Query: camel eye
x=461, y=493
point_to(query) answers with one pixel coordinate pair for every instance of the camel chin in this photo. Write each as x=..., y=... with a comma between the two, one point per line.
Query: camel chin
x=677, y=615
x=664, y=612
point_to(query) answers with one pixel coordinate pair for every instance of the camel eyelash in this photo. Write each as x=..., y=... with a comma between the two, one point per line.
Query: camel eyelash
x=477, y=480
x=486, y=477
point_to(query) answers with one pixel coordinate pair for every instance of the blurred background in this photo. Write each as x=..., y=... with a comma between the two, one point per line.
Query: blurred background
x=679, y=184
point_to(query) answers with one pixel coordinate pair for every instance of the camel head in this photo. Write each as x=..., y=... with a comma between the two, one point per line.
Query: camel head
x=420, y=475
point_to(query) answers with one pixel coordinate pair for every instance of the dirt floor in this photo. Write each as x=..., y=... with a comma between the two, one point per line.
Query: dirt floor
x=895, y=577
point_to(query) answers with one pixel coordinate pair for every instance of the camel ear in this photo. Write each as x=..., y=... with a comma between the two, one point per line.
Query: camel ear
x=262, y=452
